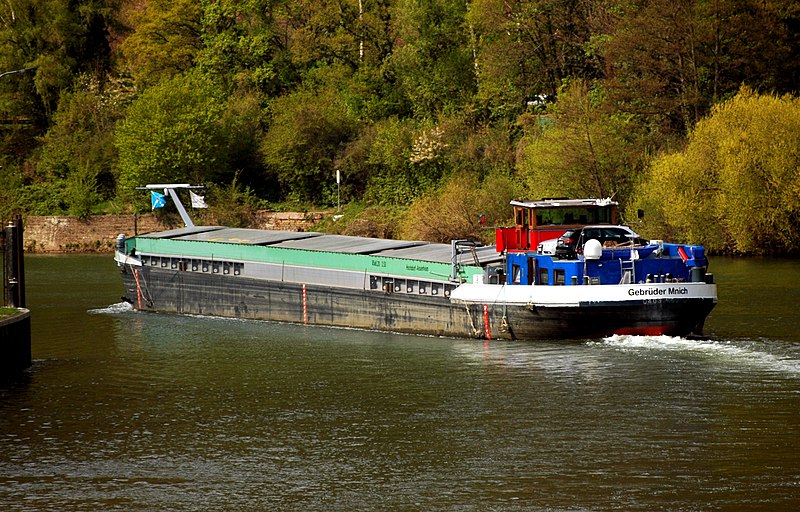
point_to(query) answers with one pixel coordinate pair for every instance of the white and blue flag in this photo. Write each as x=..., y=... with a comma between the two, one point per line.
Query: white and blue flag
x=157, y=200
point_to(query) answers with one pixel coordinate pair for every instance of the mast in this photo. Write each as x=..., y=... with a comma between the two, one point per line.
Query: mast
x=169, y=189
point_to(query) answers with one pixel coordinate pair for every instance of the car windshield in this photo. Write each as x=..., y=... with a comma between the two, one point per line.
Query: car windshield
x=615, y=234
x=572, y=241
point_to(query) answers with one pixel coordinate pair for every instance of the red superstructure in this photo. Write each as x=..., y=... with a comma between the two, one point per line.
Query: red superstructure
x=536, y=221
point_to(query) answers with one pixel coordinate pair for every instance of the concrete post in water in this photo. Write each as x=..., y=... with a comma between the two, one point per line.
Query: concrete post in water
x=15, y=343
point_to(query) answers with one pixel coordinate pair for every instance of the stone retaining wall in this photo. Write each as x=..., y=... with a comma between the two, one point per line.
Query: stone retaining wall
x=98, y=233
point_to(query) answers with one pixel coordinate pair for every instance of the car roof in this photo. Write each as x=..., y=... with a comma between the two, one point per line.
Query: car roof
x=607, y=226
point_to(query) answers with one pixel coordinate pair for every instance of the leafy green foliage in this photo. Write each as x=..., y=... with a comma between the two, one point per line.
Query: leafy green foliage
x=78, y=151
x=360, y=219
x=391, y=178
x=307, y=130
x=433, y=64
x=736, y=187
x=242, y=123
x=525, y=50
x=11, y=179
x=43, y=47
x=233, y=205
x=400, y=160
x=172, y=134
x=455, y=211
x=672, y=61
x=244, y=47
x=585, y=153
x=8, y=311
x=166, y=40
x=478, y=147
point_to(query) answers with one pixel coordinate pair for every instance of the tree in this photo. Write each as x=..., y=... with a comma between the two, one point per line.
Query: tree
x=56, y=41
x=672, y=60
x=242, y=125
x=347, y=45
x=395, y=173
x=480, y=147
x=78, y=153
x=736, y=187
x=431, y=60
x=48, y=49
x=172, y=133
x=526, y=49
x=307, y=131
x=328, y=32
x=245, y=45
x=464, y=208
x=754, y=43
x=165, y=41
x=394, y=161
x=585, y=152
x=657, y=59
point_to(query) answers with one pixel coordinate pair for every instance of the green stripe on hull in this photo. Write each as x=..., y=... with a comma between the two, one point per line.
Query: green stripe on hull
x=317, y=259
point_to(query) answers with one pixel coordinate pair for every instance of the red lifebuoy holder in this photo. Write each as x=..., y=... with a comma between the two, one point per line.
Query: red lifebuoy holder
x=682, y=254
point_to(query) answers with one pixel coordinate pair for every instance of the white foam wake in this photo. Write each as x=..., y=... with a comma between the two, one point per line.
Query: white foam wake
x=113, y=309
x=722, y=351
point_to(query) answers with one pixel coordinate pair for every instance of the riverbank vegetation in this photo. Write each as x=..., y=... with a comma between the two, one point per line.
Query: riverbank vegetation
x=435, y=112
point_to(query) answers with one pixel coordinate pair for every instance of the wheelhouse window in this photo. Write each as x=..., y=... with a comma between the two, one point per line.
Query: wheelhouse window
x=522, y=217
x=576, y=215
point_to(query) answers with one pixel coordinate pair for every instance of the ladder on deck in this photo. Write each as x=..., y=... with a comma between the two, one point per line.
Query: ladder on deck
x=628, y=268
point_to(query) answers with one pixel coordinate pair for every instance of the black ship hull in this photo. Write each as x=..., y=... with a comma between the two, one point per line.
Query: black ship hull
x=175, y=291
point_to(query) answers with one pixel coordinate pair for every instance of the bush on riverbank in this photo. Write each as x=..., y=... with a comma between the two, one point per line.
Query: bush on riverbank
x=736, y=186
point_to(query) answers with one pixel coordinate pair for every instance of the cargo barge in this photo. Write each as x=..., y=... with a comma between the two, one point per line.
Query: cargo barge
x=461, y=289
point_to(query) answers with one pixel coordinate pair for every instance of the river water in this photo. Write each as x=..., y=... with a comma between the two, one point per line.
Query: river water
x=129, y=411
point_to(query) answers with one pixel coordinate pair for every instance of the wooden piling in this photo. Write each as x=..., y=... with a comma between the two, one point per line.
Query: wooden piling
x=15, y=329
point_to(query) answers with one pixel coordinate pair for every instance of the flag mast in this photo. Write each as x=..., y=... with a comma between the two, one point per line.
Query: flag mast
x=169, y=189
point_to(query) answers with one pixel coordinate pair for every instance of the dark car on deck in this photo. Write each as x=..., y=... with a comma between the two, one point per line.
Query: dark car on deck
x=570, y=244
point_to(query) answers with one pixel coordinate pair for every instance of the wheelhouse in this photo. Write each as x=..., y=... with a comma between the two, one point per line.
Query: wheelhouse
x=620, y=259
x=536, y=221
